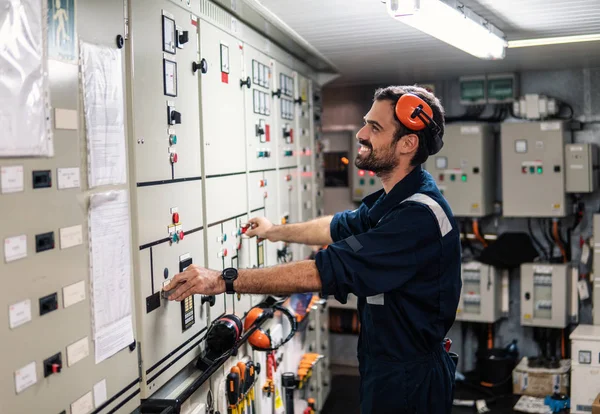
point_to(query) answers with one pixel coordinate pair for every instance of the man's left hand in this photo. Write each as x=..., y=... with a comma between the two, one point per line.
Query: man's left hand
x=195, y=280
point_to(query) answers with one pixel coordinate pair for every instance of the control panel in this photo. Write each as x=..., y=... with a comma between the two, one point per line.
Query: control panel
x=319, y=162
x=162, y=139
x=585, y=367
x=546, y=295
x=66, y=249
x=261, y=143
x=465, y=169
x=167, y=186
x=581, y=163
x=533, y=169
x=363, y=183
x=596, y=267
x=481, y=296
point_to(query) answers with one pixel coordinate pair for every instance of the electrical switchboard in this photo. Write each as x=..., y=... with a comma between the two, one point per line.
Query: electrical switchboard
x=581, y=163
x=222, y=86
x=481, y=296
x=364, y=183
x=546, y=295
x=284, y=105
x=533, y=169
x=261, y=140
x=168, y=204
x=51, y=356
x=213, y=128
x=596, y=266
x=465, y=169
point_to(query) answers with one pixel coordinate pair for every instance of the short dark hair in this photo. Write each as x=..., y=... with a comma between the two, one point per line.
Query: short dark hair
x=392, y=94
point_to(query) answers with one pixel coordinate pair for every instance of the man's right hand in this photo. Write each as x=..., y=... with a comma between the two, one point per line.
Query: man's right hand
x=261, y=228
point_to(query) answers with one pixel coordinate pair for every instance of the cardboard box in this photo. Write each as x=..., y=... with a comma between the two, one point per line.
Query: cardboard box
x=596, y=405
x=540, y=382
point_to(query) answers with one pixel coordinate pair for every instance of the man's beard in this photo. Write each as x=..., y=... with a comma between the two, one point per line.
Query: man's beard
x=381, y=162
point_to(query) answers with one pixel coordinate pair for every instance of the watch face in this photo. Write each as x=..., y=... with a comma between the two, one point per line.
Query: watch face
x=230, y=273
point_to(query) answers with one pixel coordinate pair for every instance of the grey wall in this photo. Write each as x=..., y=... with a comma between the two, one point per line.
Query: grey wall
x=343, y=108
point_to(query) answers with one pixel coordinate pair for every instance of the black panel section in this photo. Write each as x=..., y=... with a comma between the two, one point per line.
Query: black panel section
x=53, y=365
x=173, y=352
x=151, y=271
x=42, y=179
x=44, y=242
x=161, y=182
x=48, y=303
x=152, y=302
x=224, y=175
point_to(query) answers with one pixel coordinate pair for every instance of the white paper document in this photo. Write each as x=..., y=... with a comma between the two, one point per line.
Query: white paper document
x=78, y=351
x=73, y=294
x=19, y=313
x=110, y=249
x=83, y=405
x=15, y=248
x=25, y=122
x=103, y=102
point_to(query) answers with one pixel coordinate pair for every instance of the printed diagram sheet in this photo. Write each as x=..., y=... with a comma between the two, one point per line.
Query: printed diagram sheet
x=110, y=251
x=102, y=77
x=25, y=126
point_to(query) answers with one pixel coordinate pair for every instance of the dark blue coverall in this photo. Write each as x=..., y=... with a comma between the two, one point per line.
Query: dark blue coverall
x=400, y=254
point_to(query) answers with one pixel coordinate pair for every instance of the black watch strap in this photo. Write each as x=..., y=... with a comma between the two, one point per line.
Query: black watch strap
x=229, y=287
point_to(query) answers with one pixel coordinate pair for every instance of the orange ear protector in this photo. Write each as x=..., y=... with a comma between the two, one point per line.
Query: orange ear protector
x=416, y=114
x=261, y=340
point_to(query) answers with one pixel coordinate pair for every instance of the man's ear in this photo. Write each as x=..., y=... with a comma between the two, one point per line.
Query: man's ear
x=409, y=143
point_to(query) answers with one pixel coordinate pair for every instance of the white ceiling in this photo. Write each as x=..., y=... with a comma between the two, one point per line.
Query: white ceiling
x=368, y=46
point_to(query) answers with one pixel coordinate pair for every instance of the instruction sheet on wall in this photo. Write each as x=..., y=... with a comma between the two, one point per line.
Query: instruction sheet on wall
x=25, y=124
x=110, y=253
x=103, y=102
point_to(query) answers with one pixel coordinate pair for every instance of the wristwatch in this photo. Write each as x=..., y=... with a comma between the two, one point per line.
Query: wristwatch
x=229, y=275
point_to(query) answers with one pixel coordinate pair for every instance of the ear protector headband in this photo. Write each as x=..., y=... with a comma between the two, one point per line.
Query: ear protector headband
x=416, y=114
x=261, y=340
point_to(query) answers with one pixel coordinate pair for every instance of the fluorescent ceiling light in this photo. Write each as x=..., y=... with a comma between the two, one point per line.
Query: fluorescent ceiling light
x=453, y=23
x=554, y=40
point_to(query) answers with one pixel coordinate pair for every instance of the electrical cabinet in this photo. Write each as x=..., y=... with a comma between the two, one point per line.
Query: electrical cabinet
x=581, y=167
x=533, y=169
x=596, y=268
x=546, y=295
x=223, y=130
x=261, y=145
x=465, y=169
x=585, y=367
x=363, y=183
x=481, y=296
x=284, y=106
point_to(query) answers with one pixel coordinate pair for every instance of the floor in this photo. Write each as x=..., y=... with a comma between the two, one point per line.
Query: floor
x=344, y=399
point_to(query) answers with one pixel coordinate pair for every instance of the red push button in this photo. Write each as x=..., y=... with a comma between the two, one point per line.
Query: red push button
x=174, y=158
x=181, y=235
x=175, y=218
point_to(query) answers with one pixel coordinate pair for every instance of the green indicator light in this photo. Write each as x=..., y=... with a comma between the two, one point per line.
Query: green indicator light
x=362, y=181
x=531, y=170
x=452, y=177
x=372, y=181
x=464, y=177
x=540, y=170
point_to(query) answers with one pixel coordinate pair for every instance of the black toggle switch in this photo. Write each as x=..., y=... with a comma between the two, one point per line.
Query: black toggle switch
x=53, y=365
x=48, y=304
x=210, y=299
x=277, y=93
x=259, y=131
x=42, y=179
x=203, y=66
x=475, y=170
x=174, y=117
x=557, y=168
x=246, y=82
x=44, y=242
x=183, y=37
x=299, y=101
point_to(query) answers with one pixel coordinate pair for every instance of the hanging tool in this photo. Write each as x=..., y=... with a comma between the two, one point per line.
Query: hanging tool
x=288, y=380
x=243, y=386
x=269, y=387
x=233, y=392
x=311, y=409
x=251, y=377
